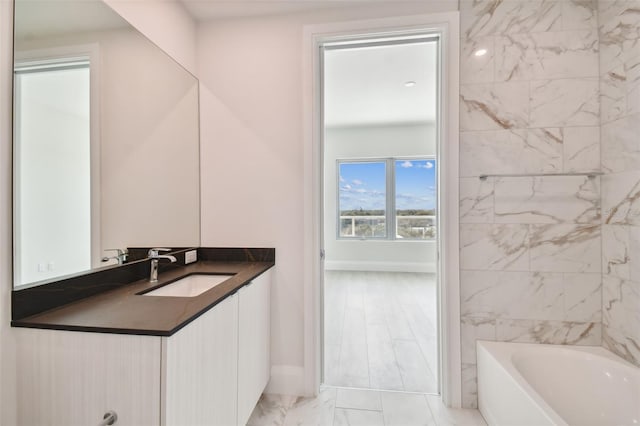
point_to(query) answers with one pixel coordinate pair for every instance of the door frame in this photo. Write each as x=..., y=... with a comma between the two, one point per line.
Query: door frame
x=446, y=25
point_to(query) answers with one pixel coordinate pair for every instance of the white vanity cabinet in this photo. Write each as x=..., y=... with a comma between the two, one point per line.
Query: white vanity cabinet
x=73, y=378
x=254, y=363
x=200, y=369
x=211, y=372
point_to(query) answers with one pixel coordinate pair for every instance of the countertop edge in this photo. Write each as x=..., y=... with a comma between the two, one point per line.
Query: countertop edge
x=33, y=323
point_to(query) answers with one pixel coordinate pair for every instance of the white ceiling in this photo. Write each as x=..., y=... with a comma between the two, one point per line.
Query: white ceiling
x=41, y=18
x=204, y=10
x=365, y=86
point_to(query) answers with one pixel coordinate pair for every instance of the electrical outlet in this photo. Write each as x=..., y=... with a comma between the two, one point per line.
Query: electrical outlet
x=190, y=256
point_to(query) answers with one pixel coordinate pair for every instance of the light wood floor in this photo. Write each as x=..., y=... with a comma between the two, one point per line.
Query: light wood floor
x=380, y=330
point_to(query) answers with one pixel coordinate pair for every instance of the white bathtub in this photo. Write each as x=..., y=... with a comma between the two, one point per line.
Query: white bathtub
x=531, y=384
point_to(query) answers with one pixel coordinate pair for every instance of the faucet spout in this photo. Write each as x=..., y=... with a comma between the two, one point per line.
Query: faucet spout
x=120, y=257
x=155, y=256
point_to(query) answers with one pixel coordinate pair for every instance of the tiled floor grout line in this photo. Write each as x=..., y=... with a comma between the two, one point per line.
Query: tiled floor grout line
x=379, y=390
x=360, y=409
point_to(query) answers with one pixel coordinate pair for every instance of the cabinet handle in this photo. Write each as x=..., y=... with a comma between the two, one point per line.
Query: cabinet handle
x=109, y=418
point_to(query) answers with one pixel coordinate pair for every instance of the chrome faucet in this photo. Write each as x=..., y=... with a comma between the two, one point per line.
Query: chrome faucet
x=121, y=256
x=154, y=255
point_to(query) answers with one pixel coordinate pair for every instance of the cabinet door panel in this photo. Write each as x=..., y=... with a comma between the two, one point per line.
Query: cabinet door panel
x=254, y=362
x=72, y=378
x=201, y=368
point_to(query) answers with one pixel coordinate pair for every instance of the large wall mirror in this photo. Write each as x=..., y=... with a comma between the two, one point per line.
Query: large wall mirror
x=106, y=142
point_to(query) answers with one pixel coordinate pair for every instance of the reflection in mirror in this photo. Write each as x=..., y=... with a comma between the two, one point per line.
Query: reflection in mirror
x=52, y=168
x=105, y=142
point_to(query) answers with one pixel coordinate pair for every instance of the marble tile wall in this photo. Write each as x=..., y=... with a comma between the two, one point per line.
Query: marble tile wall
x=531, y=256
x=619, y=35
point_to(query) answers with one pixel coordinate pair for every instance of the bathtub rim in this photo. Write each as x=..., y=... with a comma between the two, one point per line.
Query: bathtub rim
x=501, y=352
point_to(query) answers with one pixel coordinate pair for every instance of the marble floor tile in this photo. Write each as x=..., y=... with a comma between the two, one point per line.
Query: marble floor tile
x=317, y=411
x=406, y=409
x=345, y=417
x=358, y=399
x=453, y=416
x=387, y=408
x=271, y=410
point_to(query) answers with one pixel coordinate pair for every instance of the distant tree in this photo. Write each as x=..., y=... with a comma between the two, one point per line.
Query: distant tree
x=416, y=212
x=362, y=212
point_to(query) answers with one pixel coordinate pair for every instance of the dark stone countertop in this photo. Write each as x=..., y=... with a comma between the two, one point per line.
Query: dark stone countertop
x=124, y=311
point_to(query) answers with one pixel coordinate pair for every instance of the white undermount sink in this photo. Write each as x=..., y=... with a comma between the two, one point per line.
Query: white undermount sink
x=189, y=286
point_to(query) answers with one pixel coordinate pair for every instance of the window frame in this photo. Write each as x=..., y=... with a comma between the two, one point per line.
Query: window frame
x=390, y=196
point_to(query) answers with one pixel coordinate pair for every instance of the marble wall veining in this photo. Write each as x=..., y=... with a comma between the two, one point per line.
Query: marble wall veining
x=530, y=253
x=619, y=34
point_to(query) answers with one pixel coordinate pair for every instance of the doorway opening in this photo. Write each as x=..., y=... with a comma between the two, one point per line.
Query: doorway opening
x=380, y=179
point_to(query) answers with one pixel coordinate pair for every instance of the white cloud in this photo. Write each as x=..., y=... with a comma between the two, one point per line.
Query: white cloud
x=360, y=197
x=357, y=182
x=428, y=165
x=347, y=186
x=341, y=179
x=406, y=164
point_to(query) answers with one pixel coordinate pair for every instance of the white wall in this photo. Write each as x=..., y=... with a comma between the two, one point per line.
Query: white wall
x=374, y=142
x=150, y=149
x=7, y=339
x=166, y=23
x=252, y=154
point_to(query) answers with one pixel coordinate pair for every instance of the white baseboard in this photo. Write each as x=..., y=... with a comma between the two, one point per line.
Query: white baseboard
x=340, y=265
x=286, y=380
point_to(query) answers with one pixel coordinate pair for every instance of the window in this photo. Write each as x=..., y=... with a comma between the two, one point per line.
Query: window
x=363, y=199
x=387, y=199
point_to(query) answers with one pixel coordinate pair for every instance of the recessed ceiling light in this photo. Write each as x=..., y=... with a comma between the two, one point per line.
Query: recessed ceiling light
x=480, y=52
x=410, y=83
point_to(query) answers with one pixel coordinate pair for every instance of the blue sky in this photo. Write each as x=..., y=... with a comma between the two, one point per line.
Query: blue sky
x=362, y=185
